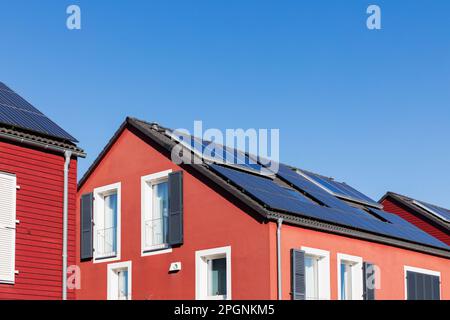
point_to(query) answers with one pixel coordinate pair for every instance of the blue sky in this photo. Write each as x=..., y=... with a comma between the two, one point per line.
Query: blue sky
x=371, y=108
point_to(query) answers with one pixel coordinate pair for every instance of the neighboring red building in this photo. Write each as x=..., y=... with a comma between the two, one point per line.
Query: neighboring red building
x=32, y=161
x=149, y=228
x=428, y=217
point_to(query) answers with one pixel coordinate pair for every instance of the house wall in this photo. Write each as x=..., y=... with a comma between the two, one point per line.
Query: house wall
x=210, y=221
x=416, y=219
x=390, y=260
x=39, y=210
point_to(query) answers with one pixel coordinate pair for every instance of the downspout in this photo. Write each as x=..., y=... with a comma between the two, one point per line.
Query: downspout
x=280, y=222
x=67, y=155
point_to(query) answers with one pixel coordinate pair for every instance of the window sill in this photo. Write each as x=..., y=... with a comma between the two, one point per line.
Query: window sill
x=155, y=250
x=109, y=258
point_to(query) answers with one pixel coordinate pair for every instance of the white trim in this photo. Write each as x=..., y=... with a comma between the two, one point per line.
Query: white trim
x=11, y=181
x=112, y=267
x=98, y=206
x=423, y=271
x=146, y=206
x=324, y=271
x=357, y=275
x=201, y=264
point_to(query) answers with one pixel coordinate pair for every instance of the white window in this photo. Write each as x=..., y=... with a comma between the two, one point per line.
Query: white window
x=350, y=277
x=119, y=281
x=107, y=206
x=8, y=187
x=155, y=213
x=213, y=274
x=317, y=274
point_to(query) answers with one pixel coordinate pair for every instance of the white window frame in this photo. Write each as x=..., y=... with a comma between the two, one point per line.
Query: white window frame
x=323, y=266
x=201, y=272
x=112, y=275
x=356, y=273
x=99, y=207
x=11, y=279
x=423, y=271
x=146, y=206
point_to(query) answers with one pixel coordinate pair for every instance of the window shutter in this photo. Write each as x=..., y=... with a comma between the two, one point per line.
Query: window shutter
x=298, y=275
x=175, y=227
x=435, y=288
x=86, y=211
x=411, y=282
x=8, y=187
x=368, y=281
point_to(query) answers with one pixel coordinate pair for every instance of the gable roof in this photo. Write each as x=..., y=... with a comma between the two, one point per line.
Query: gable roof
x=433, y=213
x=291, y=196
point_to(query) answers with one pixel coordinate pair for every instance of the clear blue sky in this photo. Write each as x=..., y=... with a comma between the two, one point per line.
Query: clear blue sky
x=371, y=108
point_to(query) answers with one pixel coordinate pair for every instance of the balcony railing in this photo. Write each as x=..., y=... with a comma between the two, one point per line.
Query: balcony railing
x=155, y=233
x=106, y=243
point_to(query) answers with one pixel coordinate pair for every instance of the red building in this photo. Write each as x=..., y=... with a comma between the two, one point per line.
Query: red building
x=428, y=217
x=149, y=228
x=33, y=155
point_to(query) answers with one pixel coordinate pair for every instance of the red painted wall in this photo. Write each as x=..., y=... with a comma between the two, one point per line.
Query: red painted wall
x=390, y=260
x=210, y=221
x=214, y=220
x=417, y=220
x=39, y=233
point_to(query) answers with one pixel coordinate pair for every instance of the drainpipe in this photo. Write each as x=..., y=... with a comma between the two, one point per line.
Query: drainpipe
x=67, y=155
x=280, y=222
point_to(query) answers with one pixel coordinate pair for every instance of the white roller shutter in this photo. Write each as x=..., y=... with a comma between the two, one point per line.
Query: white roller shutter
x=7, y=227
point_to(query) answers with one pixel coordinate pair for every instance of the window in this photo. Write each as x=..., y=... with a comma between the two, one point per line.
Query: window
x=119, y=281
x=107, y=223
x=155, y=212
x=317, y=274
x=213, y=274
x=7, y=227
x=422, y=284
x=350, y=277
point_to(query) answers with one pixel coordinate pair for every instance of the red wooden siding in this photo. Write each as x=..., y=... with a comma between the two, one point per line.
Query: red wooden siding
x=39, y=209
x=417, y=220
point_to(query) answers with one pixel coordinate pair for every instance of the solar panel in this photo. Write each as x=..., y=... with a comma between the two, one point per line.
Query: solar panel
x=17, y=112
x=266, y=191
x=339, y=189
x=441, y=213
x=217, y=153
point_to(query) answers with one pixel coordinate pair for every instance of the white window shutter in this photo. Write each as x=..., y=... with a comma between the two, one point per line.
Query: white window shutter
x=7, y=227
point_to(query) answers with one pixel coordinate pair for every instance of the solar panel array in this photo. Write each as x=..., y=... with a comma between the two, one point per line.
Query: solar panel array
x=441, y=213
x=17, y=112
x=325, y=207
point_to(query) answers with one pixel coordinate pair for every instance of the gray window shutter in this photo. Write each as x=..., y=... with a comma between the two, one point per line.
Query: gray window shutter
x=175, y=227
x=436, y=288
x=86, y=211
x=411, y=282
x=368, y=281
x=298, y=275
x=422, y=286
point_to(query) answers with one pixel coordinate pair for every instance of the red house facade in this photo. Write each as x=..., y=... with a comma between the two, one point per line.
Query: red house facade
x=34, y=153
x=148, y=228
x=428, y=217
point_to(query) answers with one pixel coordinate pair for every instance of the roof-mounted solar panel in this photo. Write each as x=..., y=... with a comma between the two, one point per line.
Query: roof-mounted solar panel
x=339, y=189
x=439, y=212
x=17, y=112
x=216, y=153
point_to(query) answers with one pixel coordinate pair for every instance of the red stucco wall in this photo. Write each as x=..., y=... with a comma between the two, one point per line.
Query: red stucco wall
x=390, y=260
